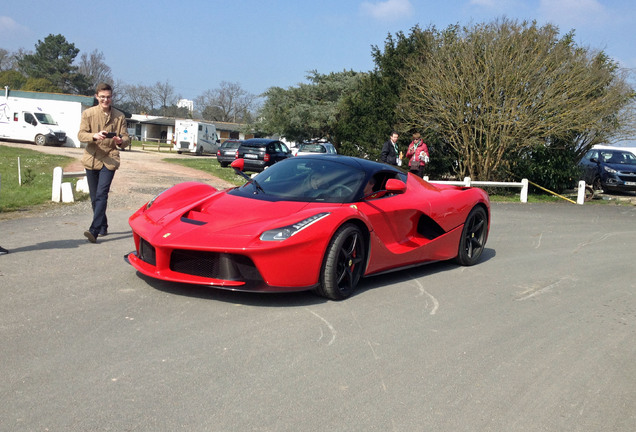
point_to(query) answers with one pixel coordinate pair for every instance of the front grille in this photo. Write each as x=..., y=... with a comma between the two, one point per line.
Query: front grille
x=214, y=265
x=61, y=136
x=627, y=176
x=147, y=252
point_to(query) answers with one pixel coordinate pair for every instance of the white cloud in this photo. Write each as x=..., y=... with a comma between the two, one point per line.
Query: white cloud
x=389, y=10
x=12, y=33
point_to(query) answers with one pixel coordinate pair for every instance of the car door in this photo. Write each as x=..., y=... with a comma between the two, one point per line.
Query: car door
x=280, y=151
x=394, y=218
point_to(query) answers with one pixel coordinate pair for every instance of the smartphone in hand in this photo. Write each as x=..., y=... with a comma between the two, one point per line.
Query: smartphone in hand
x=110, y=135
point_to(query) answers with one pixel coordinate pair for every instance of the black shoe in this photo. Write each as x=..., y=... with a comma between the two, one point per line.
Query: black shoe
x=3, y=251
x=90, y=236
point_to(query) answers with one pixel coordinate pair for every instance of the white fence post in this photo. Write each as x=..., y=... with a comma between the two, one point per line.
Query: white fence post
x=524, y=190
x=57, y=184
x=580, y=196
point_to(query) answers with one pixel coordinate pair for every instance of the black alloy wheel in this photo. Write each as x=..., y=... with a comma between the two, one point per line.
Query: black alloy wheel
x=474, y=235
x=344, y=263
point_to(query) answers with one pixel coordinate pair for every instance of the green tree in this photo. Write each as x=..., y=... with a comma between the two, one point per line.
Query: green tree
x=496, y=94
x=40, y=85
x=12, y=78
x=309, y=110
x=368, y=114
x=53, y=60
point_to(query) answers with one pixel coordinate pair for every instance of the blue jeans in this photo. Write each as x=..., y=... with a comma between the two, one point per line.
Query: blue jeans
x=99, y=186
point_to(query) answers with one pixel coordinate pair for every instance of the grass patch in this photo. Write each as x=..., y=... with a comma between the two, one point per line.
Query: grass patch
x=37, y=177
x=212, y=166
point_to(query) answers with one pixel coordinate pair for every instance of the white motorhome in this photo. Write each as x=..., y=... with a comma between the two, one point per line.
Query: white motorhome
x=22, y=122
x=195, y=137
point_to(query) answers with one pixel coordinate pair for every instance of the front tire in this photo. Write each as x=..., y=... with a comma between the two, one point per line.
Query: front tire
x=343, y=265
x=473, y=239
x=40, y=140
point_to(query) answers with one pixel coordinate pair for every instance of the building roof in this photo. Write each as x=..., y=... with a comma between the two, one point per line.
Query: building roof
x=84, y=100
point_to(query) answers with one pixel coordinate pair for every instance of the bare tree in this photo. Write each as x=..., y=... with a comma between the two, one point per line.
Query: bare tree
x=137, y=98
x=94, y=67
x=229, y=103
x=495, y=91
x=164, y=95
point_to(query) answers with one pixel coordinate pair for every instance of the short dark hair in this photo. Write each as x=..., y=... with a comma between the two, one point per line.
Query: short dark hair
x=394, y=133
x=103, y=87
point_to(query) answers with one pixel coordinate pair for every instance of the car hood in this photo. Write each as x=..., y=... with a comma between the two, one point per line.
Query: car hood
x=622, y=167
x=240, y=216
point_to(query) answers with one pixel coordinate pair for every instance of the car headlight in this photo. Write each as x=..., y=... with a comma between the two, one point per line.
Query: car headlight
x=610, y=170
x=283, y=233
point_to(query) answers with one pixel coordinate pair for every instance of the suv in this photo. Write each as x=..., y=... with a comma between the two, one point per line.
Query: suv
x=227, y=151
x=609, y=170
x=315, y=147
x=259, y=153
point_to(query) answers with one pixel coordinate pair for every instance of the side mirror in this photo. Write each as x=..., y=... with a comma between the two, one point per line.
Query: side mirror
x=238, y=164
x=395, y=186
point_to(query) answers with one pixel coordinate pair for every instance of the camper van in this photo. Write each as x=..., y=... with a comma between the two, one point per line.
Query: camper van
x=195, y=137
x=20, y=122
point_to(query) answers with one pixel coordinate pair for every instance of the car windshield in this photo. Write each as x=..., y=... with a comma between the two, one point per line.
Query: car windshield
x=617, y=157
x=306, y=179
x=45, y=119
x=313, y=148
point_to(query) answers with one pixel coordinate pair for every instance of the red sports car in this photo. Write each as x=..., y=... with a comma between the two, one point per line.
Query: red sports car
x=307, y=223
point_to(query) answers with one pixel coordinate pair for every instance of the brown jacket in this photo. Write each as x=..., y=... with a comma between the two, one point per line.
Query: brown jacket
x=104, y=152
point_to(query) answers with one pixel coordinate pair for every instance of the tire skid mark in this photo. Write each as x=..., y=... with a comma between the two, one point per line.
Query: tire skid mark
x=429, y=295
x=329, y=326
x=535, y=291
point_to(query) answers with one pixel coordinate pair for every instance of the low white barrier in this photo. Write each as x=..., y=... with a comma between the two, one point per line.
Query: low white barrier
x=64, y=191
x=523, y=184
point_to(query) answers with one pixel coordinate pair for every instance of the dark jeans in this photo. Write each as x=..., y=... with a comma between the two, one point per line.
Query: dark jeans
x=99, y=186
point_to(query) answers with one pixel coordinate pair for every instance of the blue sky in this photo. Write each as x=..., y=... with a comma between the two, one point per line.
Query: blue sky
x=195, y=45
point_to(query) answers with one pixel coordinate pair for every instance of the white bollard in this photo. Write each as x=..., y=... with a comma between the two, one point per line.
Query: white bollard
x=580, y=196
x=67, y=192
x=82, y=185
x=57, y=184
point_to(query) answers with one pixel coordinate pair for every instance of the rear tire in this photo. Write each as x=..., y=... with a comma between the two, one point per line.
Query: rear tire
x=474, y=236
x=199, y=151
x=40, y=140
x=343, y=264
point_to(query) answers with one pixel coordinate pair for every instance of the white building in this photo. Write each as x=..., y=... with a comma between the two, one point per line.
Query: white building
x=186, y=103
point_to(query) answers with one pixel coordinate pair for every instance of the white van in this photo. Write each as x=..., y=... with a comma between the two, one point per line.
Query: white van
x=195, y=137
x=27, y=123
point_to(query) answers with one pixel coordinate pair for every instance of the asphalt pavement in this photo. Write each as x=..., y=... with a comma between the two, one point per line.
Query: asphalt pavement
x=539, y=336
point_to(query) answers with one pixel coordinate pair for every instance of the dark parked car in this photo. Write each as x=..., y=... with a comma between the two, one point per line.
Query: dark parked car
x=259, y=153
x=227, y=151
x=610, y=170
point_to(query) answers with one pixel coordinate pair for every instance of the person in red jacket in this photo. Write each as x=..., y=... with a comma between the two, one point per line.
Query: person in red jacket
x=417, y=155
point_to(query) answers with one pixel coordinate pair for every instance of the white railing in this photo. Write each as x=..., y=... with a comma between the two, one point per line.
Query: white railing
x=523, y=184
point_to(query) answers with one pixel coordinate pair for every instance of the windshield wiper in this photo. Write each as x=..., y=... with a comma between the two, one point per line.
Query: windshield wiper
x=257, y=187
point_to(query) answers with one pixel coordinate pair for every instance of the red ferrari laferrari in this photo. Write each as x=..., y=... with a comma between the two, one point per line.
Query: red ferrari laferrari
x=307, y=223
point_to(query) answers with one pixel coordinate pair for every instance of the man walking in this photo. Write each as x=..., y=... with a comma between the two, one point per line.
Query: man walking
x=103, y=129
